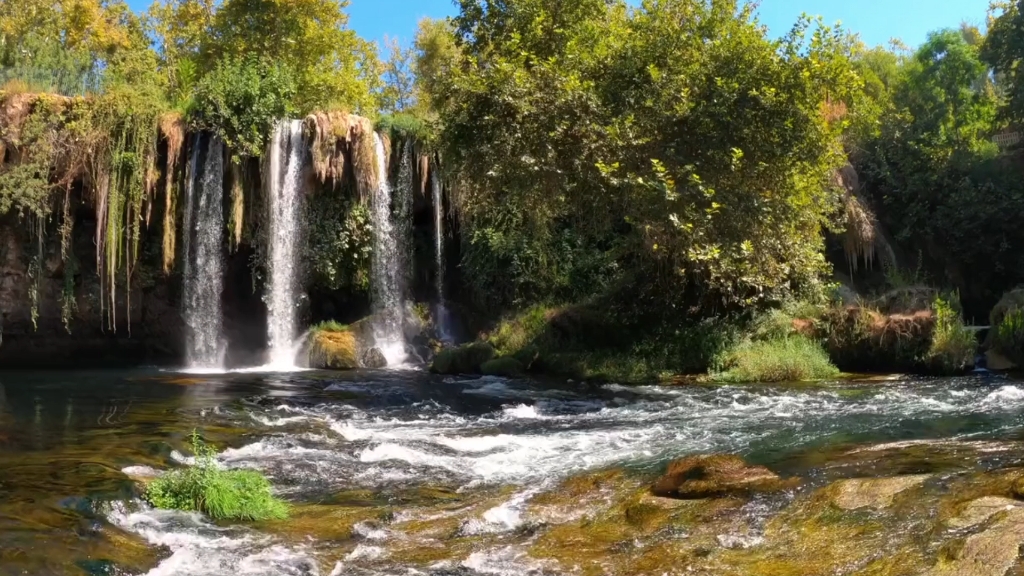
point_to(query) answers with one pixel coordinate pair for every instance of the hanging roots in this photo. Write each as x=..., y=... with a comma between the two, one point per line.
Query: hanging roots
x=364, y=158
x=172, y=128
x=237, y=205
x=863, y=240
x=330, y=138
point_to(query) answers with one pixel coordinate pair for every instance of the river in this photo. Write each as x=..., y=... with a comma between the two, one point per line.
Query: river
x=403, y=472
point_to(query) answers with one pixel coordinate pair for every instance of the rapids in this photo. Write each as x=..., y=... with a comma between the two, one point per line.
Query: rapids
x=401, y=472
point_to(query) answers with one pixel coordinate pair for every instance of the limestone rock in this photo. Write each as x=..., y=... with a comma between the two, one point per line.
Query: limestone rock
x=991, y=552
x=715, y=475
x=980, y=510
x=871, y=492
x=333, y=350
x=374, y=358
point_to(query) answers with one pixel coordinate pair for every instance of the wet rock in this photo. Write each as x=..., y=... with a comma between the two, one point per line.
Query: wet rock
x=505, y=366
x=333, y=350
x=374, y=358
x=715, y=475
x=991, y=552
x=871, y=492
x=980, y=510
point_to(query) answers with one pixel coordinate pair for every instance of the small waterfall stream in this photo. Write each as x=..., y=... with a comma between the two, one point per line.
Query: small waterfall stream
x=283, y=206
x=387, y=286
x=441, y=311
x=204, y=257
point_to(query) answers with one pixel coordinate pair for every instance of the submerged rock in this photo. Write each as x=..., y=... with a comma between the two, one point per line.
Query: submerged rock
x=980, y=510
x=715, y=475
x=374, y=358
x=871, y=492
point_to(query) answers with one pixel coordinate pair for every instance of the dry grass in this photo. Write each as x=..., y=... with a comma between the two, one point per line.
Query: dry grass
x=172, y=129
x=863, y=240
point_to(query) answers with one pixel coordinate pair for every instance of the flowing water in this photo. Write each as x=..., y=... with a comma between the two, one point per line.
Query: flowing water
x=403, y=472
x=284, y=200
x=441, y=309
x=204, y=257
x=386, y=267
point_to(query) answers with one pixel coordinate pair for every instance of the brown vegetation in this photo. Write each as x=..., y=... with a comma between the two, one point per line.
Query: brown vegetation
x=172, y=129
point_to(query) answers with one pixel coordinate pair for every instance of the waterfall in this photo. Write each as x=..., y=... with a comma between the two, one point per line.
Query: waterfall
x=283, y=203
x=386, y=269
x=441, y=312
x=204, y=256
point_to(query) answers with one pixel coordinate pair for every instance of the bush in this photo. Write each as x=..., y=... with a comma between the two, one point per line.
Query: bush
x=220, y=494
x=466, y=359
x=1006, y=335
x=863, y=339
x=788, y=359
x=506, y=366
x=953, y=345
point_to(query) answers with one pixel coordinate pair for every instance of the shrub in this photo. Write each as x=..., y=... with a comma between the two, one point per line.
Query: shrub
x=953, y=345
x=1006, y=335
x=788, y=359
x=220, y=494
x=860, y=338
x=506, y=366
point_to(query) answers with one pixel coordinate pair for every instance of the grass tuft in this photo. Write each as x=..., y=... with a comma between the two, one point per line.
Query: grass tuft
x=220, y=494
x=788, y=359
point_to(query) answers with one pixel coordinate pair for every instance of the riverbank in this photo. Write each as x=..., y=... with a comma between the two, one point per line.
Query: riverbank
x=391, y=471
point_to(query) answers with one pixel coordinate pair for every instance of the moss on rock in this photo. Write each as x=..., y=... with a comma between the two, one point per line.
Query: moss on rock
x=466, y=359
x=715, y=475
x=505, y=366
x=333, y=350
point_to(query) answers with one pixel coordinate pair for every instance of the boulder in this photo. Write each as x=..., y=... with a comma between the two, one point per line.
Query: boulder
x=875, y=493
x=466, y=359
x=715, y=475
x=506, y=366
x=374, y=358
x=991, y=552
x=981, y=509
x=333, y=350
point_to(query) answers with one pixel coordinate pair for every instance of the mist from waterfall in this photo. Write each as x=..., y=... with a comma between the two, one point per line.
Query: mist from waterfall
x=387, y=278
x=204, y=256
x=284, y=201
x=441, y=311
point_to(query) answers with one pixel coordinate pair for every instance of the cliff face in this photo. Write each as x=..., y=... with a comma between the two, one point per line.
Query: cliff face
x=82, y=338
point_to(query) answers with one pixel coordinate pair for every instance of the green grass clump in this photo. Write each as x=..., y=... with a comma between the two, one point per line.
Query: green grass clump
x=788, y=359
x=220, y=494
x=953, y=345
x=329, y=326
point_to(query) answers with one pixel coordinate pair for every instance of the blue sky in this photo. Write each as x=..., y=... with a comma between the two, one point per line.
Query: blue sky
x=876, y=20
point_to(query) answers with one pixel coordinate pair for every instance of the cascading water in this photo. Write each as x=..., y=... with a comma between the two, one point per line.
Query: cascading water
x=204, y=257
x=441, y=313
x=284, y=201
x=386, y=282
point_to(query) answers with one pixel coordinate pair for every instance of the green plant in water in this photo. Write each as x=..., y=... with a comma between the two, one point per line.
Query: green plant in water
x=329, y=326
x=788, y=359
x=1009, y=335
x=953, y=345
x=221, y=494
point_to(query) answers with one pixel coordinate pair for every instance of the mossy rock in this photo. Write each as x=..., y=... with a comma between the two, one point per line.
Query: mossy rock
x=333, y=350
x=716, y=475
x=527, y=356
x=506, y=366
x=466, y=359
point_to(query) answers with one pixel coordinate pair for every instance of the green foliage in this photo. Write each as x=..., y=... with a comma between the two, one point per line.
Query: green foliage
x=1003, y=50
x=506, y=366
x=242, y=98
x=405, y=126
x=221, y=494
x=627, y=148
x=339, y=242
x=953, y=345
x=1009, y=336
x=465, y=359
x=786, y=359
x=329, y=326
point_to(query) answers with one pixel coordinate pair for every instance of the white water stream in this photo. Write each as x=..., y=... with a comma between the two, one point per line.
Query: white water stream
x=387, y=282
x=204, y=257
x=284, y=202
